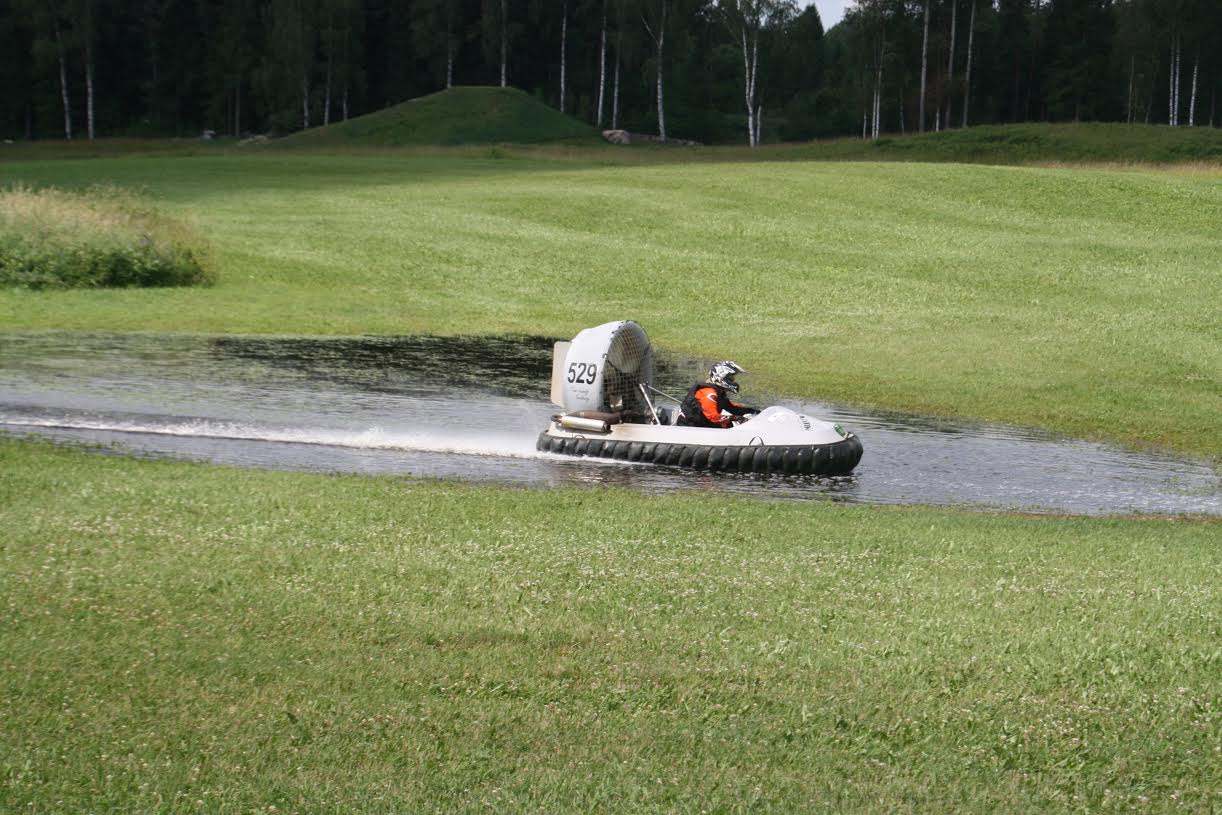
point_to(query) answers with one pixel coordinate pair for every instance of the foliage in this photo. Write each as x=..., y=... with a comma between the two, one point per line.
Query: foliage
x=180, y=67
x=1078, y=300
x=187, y=638
x=104, y=237
x=455, y=116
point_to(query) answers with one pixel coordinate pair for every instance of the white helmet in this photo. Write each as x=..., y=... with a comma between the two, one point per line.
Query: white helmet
x=723, y=373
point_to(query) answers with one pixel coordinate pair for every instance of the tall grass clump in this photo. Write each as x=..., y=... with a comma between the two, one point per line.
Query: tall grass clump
x=102, y=237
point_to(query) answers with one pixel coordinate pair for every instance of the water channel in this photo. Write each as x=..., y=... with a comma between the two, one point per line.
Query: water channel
x=471, y=408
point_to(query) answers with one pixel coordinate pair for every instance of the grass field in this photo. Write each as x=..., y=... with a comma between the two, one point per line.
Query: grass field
x=1084, y=301
x=185, y=638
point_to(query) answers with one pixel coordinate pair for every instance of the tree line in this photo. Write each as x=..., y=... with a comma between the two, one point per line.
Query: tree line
x=710, y=70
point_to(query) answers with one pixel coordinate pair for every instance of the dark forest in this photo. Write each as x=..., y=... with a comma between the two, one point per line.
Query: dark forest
x=727, y=70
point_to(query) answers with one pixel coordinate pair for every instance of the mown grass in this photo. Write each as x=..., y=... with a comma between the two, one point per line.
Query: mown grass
x=1078, y=300
x=104, y=237
x=464, y=115
x=186, y=638
x=476, y=121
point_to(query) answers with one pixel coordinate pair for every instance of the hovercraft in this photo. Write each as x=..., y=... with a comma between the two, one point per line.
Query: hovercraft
x=603, y=381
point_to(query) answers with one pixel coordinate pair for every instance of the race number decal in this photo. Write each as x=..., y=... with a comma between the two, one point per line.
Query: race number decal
x=582, y=373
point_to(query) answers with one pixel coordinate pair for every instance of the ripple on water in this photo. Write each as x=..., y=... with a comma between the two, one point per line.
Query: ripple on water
x=471, y=408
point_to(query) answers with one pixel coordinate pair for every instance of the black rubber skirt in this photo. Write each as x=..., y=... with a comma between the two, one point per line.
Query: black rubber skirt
x=818, y=459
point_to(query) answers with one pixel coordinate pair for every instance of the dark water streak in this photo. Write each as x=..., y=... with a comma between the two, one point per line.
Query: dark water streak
x=471, y=407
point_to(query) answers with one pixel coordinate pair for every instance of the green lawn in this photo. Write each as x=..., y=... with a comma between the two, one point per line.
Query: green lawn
x=186, y=638
x=1085, y=301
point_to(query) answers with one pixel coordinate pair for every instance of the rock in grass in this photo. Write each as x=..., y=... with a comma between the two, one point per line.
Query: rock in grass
x=103, y=237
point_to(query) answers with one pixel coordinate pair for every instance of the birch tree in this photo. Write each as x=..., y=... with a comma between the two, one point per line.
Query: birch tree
x=654, y=18
x=967, y=76
x=619, y=49
x=504, y=42
x=52, y=16
x=81, y=16
x=564, y=47
x=924, y=67
x=602, y=67
x=433, y=37
x=950, y=61
x=746, y=19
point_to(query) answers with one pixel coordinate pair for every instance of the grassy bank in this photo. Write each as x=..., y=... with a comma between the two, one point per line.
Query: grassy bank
x=189, y=638
x=1030, y=143
x=1082, y=301
x=521, y=127
x=100, y=238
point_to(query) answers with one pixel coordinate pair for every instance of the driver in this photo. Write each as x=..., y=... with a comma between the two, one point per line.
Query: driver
x=708, y=404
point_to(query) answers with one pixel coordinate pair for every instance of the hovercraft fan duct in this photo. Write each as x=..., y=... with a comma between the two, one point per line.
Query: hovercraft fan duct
x=603, y=368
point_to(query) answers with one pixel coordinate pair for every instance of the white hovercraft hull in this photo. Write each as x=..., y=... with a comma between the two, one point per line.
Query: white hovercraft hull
x=777, y=440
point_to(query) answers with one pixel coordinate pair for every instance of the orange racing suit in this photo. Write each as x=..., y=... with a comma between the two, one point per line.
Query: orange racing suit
x=706, y=405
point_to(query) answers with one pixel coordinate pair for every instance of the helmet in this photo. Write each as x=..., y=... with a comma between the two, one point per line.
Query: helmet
x=723, y=374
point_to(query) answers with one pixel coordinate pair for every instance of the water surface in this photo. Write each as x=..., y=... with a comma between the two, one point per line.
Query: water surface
x=471, y=408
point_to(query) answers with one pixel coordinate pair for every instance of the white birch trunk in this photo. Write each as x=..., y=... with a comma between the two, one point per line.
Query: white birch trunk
x=1192, y=97
x=950, y=62
x=1174, y=116
x=755, y=54
x=878, y=83
x=63, y=78
x=564, y=36
x=602, y=68
x=874, y=108
x=661, y=103
x=878, y=91
x=1178, y=57
x=619, y=39
x=967, y=80
x=759, y=122
x=449, y=48
x=504, y=40
x=659, y=38
x=924, y=66
x=1171, y=88
x=1179, y=63
x=865, y=119
x=1132, y=75
x=747, y=86
x=305, y=102
x=326, y=97
x=89, y=79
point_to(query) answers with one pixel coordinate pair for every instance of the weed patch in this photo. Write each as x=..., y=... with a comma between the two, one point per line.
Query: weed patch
x=101, y=238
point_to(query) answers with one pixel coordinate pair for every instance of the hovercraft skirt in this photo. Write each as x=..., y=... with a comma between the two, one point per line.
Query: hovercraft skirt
x=838, y=458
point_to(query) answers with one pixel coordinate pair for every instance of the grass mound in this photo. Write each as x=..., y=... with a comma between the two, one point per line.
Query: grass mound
x=473, y=115
x=104, y=237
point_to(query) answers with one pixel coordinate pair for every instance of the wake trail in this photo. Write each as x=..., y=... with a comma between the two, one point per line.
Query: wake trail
x=373, y=438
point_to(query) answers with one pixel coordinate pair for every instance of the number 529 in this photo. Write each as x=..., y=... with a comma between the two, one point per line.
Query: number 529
x=583, y=372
